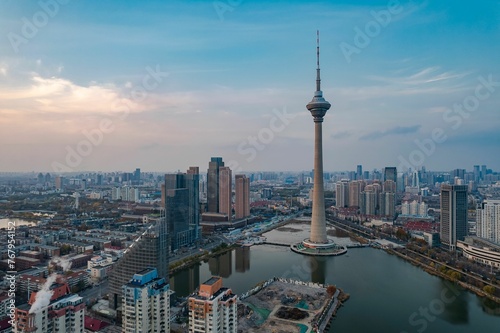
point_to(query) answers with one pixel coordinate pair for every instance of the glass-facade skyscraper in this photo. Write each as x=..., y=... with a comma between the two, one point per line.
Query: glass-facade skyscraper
x=453, y=214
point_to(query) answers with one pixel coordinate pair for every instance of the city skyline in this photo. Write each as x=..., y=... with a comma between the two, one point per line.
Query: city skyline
x=211, y=78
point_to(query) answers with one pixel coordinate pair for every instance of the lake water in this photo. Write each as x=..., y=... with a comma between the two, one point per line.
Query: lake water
x=387, y=293
x=4, y=223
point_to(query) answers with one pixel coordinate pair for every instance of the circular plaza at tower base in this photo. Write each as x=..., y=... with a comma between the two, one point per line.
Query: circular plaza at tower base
x=318, y=249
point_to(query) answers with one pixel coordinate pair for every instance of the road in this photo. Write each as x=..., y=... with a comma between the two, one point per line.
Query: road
x=95, y=292
x=190, y=252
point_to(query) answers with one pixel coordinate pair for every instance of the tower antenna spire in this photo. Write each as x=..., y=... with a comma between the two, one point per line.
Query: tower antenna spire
x=318, y=79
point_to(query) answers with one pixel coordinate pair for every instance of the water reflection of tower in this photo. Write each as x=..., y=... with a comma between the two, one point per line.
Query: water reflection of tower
x=221, y=265
x=318, y=269
x=242, y=263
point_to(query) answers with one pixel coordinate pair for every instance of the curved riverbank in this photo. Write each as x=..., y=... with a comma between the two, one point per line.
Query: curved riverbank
x=433, y=271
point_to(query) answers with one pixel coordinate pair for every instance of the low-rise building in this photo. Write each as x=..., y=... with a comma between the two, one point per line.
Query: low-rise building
x=98, y=273
x=432, y=238
x=27, y=284
x=80, y=260
x=481, y=251
x=99, y=261
x=23, y=263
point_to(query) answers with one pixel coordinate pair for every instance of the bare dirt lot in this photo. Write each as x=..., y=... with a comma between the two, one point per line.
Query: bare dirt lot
x=257, y=313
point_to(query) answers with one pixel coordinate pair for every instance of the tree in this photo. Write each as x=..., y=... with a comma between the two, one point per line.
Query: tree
x=65, y=249
x=331, y=290
x=401, y=234
x=454, y=275
x=489, y=289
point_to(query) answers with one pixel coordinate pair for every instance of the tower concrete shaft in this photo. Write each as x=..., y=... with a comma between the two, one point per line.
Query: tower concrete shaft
x=318, y=107
x=318, y=222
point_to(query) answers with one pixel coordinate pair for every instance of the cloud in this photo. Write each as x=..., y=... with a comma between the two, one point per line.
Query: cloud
x=62, y=96
x=423, y=76
x=341, y=135
x=398, y=130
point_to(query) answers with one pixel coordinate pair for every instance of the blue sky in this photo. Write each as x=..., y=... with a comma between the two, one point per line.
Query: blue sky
x=233, y=79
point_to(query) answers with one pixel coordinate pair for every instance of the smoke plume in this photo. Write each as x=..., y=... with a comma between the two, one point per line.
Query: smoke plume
x=43, y=296
x=63, y=262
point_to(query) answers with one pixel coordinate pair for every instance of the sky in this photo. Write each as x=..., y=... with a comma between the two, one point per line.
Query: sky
x=164, y=85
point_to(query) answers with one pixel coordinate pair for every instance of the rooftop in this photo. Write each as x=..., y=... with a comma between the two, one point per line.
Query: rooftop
x=212, y=280
x=94, y=324
x=146, y=271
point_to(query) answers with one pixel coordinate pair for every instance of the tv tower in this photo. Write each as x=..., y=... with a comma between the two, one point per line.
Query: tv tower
x=318, y=243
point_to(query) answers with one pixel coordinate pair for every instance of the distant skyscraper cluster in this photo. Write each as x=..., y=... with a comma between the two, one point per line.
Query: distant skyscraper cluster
x=125, y=193
x=414, y=209
x=372, y=199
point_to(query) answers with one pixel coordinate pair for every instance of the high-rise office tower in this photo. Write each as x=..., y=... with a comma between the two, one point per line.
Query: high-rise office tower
x=389, y=186
x=415, y=179
x=387, y=199
x=369, y=200
x=151, y=249
x=177, y=214
x=59, y=182
x=387, y=204
x=242, y=196
x=484, y=171
x=146, y=303
x=488, y=220
x=213, y=309
x=137, y=176
x=354, y=192
x=342, y=193
x=460, y=173
x=391, y=173
x=193, y=185
x=182, y=207
x=226, y=192
x=477, y=173
x=213, y=184
x=453, y=214
x=359, y=172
